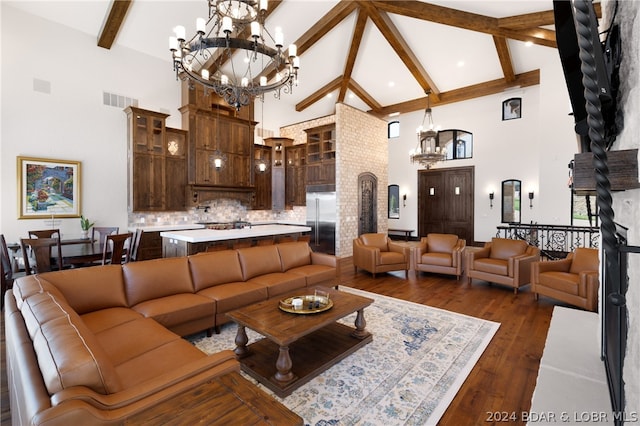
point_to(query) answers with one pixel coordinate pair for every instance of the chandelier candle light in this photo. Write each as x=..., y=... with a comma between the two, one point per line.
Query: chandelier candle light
x=229, y=53
x=428, y=151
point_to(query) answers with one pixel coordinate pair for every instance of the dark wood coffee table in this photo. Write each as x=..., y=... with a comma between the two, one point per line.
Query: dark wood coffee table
x=298, y=347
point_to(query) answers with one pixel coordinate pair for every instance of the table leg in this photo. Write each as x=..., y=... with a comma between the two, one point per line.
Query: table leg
x=360, y=324
x=241, y=342
x=283, y=365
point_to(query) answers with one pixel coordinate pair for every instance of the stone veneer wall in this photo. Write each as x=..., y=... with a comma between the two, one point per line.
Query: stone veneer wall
x=361, y=146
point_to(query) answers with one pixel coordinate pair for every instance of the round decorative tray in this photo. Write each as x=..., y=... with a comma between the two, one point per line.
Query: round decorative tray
x=311, y=304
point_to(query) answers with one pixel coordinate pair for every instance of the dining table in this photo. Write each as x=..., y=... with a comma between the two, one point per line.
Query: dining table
x=76, y=255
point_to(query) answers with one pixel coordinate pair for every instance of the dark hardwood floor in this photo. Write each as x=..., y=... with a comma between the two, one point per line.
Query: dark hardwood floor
x=504, y=378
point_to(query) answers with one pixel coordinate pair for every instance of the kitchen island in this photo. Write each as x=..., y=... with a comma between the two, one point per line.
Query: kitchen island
x=188, y=242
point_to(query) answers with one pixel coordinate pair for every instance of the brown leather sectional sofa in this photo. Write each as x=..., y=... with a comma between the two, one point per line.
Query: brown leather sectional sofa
x=99, y=345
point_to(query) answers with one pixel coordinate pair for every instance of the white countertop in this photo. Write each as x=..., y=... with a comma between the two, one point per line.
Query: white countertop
x=204, y=235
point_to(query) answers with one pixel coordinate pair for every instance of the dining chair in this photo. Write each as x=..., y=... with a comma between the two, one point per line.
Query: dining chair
x=135, y=245
x=6, y=263
x=42, y=251
x=114, y=251
x=45, y=233
x=102, y=232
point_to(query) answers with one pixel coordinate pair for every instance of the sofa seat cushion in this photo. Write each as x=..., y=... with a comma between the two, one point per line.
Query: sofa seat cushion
x=491, y=266
x=67, y=351
x=132, y=339
x=232, y=296
x=280, y=282
x=391, y=258
x=105, y=319
x=213, y=268
x=177, y=309
x=315, y=274
x=151, y=364
x=259, y=260
x=438, y=259
x=564, y=282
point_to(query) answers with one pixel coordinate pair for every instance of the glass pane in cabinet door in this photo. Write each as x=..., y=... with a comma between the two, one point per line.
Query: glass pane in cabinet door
x=140, y=134
x=158, y=137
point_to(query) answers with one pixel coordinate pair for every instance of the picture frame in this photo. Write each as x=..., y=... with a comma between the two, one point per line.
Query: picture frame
x=394, y=202
x=48, y=188
x=512, y=109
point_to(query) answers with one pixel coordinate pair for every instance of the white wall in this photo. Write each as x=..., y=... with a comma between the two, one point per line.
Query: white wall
x=71, y=122
x=535, y=149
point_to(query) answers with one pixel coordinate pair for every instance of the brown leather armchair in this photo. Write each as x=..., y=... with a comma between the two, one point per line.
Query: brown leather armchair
x=503, y=261
x=574, y=280
x=377, y=253
x=440, y=253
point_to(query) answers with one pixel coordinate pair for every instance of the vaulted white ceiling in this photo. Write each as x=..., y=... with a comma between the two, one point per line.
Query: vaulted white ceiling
x=457, y=59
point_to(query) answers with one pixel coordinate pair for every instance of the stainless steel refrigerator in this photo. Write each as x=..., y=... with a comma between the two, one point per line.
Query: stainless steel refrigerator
x=321, y=217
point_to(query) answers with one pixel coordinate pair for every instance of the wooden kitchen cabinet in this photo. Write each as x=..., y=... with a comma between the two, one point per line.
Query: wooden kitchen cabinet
x=321, y=155
x=262, y=178
x=176, y=170
x=295, y=175
x=146, y=137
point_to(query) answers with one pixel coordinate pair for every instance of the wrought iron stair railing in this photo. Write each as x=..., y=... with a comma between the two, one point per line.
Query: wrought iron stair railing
x=554, y=241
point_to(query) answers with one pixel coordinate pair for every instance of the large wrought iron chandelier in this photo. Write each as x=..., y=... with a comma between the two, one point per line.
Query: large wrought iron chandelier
x=233, y=54
x=427, y=152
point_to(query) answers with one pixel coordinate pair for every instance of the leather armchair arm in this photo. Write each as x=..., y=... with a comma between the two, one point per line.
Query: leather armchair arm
x=456, y=254
x=479, y=254
x=421, y=249
x=521, y=265
x=398, y=248
x=365, y=256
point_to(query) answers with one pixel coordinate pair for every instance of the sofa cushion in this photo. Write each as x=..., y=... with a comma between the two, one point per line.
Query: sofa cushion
x=562, y=281
x=504, y=248
x=584, y=259
x=213, y=268
x=491, y=266
x=153, y=279
x=68, y=353
x=259, y=260
x=315, y=274
x=391, y=258
x=375, y=240
x=232, y=296
x=293, y=255
x=441, y=243
x=27, y=286
x=280, y=282
x=437, y=259
x=177, y=309
x=90, y=289
x=105, y=319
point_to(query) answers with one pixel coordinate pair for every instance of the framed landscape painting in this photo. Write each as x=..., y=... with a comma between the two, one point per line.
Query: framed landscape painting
x=48, y=188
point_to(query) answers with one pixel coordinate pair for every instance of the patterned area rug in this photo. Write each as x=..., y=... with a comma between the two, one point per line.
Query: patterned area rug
x=408, y=374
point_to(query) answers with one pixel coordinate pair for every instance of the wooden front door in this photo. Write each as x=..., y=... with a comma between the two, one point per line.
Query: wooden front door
x=445, y=202
x=367, y=206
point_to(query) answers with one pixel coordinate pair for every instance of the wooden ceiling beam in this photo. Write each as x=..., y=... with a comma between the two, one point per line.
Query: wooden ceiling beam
x=459, y=19
x=502, y=47
x=356, y=38
x=113, y=23
x=324, y=25
x=391, y=33
x=319, y=94
x=530, y=78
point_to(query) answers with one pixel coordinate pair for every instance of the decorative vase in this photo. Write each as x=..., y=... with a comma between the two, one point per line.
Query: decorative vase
x=84, y=234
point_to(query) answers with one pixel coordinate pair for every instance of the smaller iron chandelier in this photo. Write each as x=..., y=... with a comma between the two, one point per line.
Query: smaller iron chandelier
x=427, y=152
x=229, y=54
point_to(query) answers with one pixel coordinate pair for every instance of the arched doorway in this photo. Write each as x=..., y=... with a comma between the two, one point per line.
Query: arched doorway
x=367, y=203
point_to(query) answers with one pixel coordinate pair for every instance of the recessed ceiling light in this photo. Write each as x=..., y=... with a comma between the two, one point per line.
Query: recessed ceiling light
x=528, y=43
x=460, y=64
x=394, y=114
x=329, y=95
x=351, y=96
x=391, y=84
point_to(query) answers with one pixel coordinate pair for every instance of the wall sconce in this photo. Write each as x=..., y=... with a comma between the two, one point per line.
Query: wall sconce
x=531, y=199
x=491, y=195
x=404, y=200
x=457, y=190
x=261, y=166
x=432, y=191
